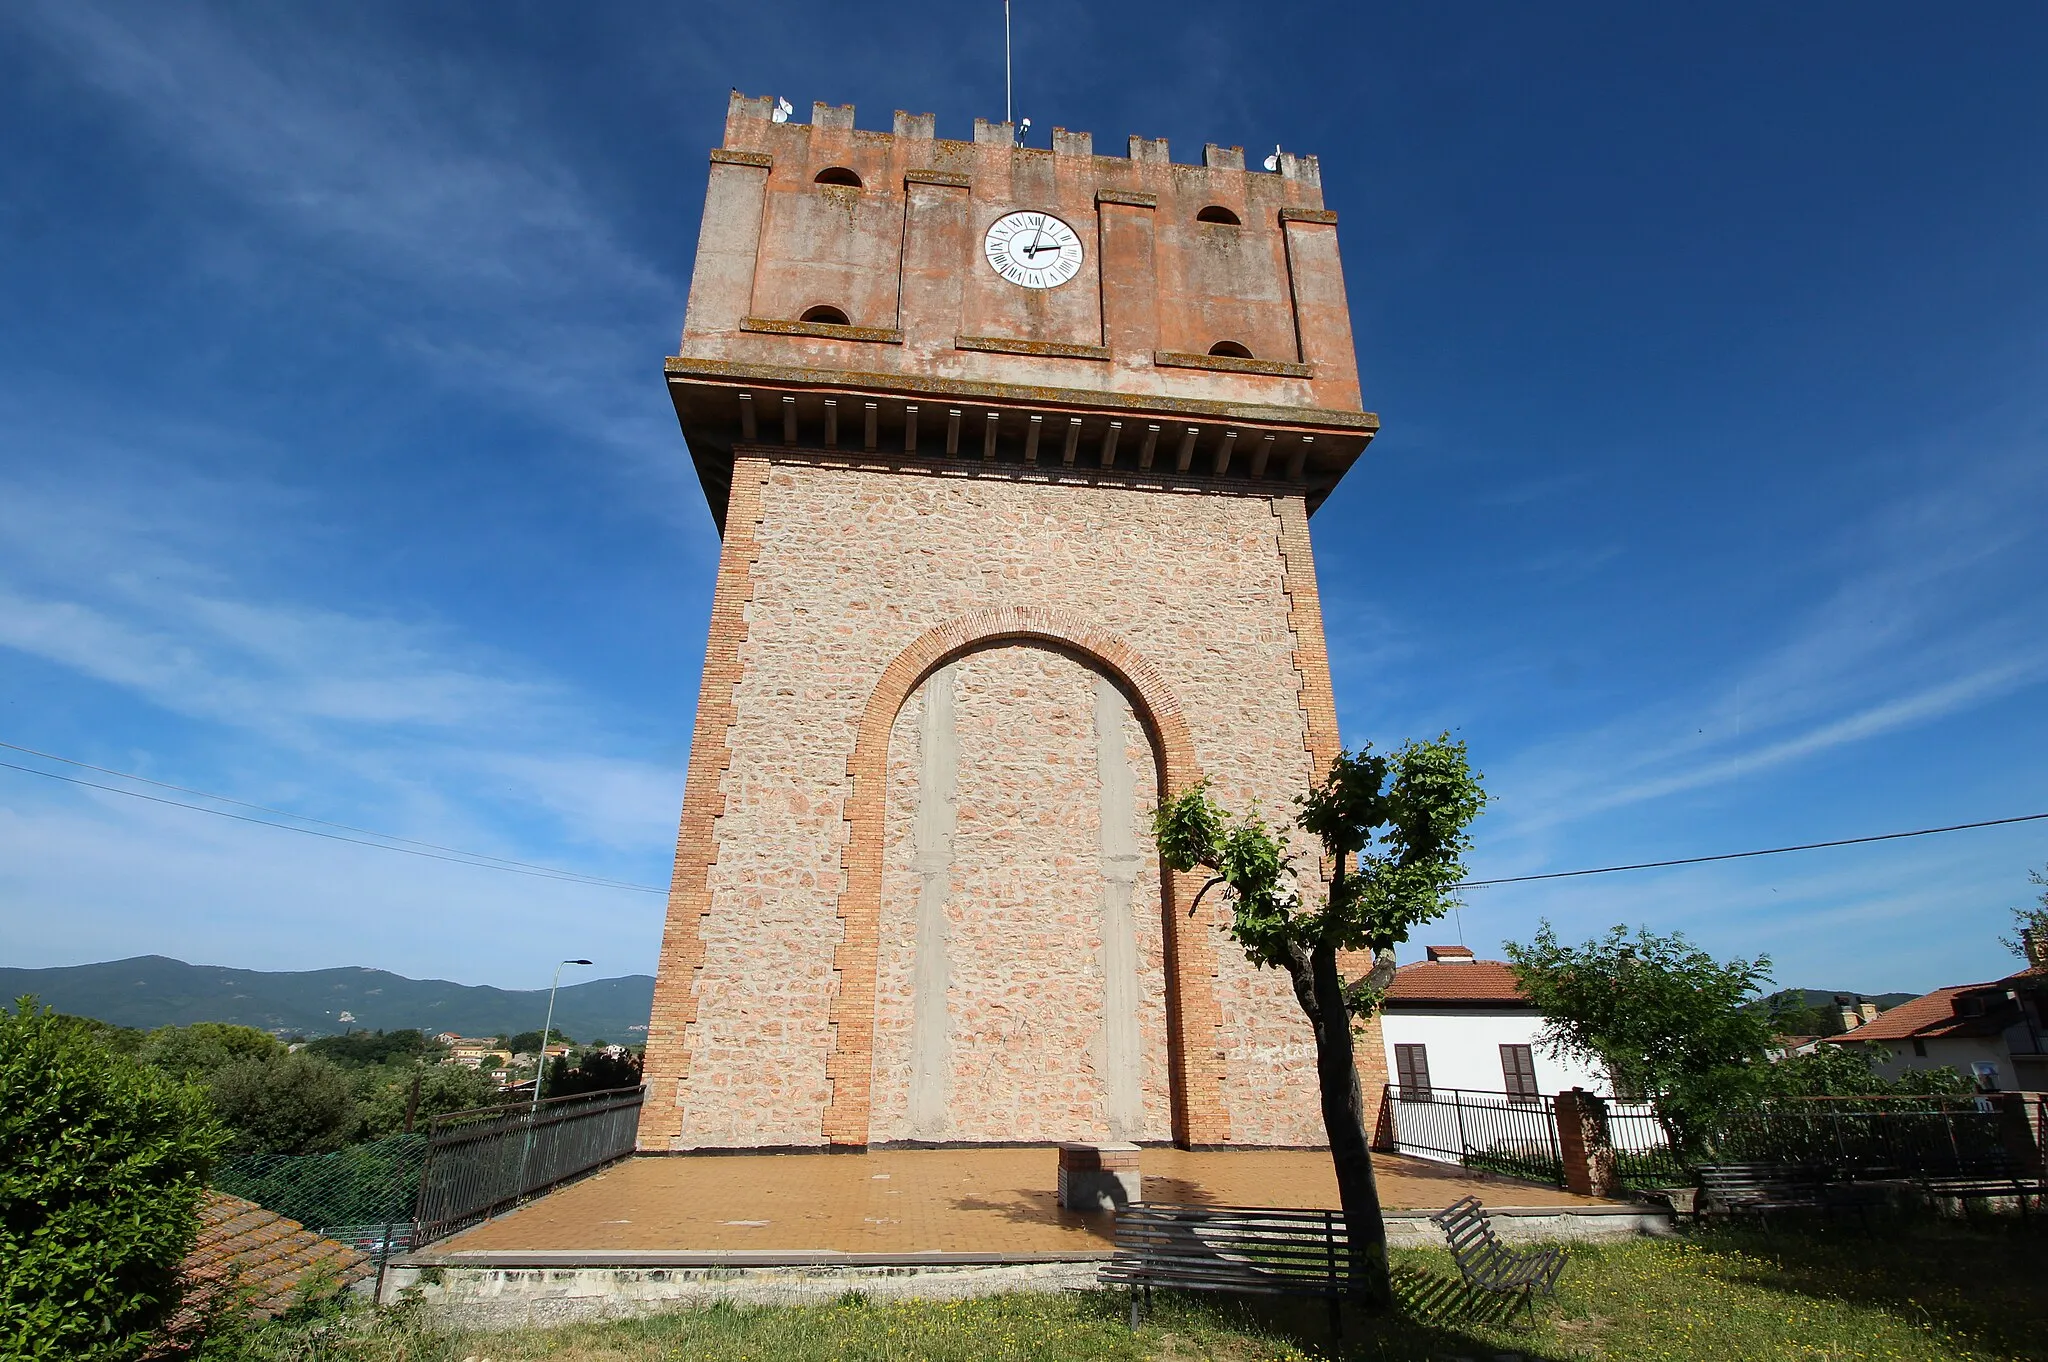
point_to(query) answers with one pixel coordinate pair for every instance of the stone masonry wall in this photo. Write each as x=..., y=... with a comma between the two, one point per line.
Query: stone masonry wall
x=1020, y=1042
x=848, y=567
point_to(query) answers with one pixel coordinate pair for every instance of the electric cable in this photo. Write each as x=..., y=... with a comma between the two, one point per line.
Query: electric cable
x=457, y=858
x=1743, y=855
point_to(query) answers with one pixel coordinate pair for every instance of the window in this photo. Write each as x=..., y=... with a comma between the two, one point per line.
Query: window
x=1216, y=212
x=1518, y=1072
x=1230, y=350
x=830, y=315
x=1411, y=1071
x=1919, y=1048
x=838, y=175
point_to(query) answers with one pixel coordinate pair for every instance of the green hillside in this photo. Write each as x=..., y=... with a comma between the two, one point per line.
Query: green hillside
x=153, y=990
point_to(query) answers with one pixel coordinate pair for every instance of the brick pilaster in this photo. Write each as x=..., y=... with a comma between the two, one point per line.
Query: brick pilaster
x=689, y=898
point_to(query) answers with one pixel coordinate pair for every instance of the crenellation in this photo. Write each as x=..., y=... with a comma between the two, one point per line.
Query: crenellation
x=1150, y=150
x=825, y=115
x=1066, y=143
x=987, y=134
x=1222, y=158
x=922, y=127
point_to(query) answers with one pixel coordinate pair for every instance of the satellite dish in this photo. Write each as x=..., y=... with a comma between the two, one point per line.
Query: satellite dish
x=1273, y=161
x=783, y=109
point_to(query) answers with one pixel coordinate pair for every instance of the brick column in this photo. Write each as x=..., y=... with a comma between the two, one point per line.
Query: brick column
x=1582, y=1140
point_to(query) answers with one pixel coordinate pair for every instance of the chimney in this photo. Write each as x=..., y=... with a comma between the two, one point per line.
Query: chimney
x=1450, y=955
x=1846, y=1009
x=2034, y=945
x=1868, y=1011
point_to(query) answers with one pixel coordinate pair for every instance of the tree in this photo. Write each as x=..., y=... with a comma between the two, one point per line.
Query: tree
x=363, y=1048
x=1664, y=1018
x=2029, y=921
x=203, y=1048
x=595, y=1071
x=383, y=1095
x=1392, y=828
x=529, y=1043
x=1850, y=1071
x=291, y=1104
x=102, y=1164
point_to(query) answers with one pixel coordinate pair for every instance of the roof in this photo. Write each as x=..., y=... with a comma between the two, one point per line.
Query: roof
x=256, y=1254
x=1927, y=1017
x=1470, y=984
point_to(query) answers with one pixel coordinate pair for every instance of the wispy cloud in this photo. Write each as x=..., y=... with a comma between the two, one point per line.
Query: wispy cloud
x=412, y=178
x=1938, y=609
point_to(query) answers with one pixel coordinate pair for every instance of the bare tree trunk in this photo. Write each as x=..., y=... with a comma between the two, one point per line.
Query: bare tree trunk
x=1319, y=987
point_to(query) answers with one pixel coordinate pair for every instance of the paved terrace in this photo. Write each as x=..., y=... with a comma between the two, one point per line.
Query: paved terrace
x=961, y=1201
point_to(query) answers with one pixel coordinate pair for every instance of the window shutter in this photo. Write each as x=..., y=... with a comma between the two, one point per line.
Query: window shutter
x=1411, y=1067
x=1518, y=1070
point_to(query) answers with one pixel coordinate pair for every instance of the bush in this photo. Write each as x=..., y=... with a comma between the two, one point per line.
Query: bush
x=204, y=1048
x=384, y=1094
x=293, y=1104
x=102, y=1164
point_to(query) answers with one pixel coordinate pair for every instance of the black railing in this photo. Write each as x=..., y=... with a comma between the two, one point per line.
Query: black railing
x=1494, y=1132
x=485, y=1161
x=1645, y=1155
x=1860, y=1137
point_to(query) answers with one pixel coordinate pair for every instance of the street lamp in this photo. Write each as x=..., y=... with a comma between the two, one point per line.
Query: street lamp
x=541, y=1074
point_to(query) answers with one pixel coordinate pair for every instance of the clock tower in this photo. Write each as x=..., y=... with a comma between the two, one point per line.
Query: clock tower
x=1012, y=451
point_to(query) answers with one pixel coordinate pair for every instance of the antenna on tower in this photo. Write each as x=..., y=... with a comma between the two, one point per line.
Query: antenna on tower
x=783, y=109
x=1273, y=162
x=1006, y=61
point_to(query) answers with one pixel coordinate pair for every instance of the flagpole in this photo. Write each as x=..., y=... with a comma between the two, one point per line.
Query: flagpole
x=1007, y=117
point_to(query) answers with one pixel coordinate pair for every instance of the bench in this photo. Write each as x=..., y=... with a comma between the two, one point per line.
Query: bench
x=1249, y=1250
x=1487, y=1264
x=1981, y=1180
x=1761, y=1188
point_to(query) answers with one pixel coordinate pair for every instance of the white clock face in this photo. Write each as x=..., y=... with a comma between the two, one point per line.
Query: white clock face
x=1035, y=250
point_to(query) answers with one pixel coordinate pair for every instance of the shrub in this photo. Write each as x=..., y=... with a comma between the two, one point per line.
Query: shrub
x=293, y=1104
x=204, y=1048
x=102, y=1164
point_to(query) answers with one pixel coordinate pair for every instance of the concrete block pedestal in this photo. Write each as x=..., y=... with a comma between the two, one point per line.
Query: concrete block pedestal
x=1099, y=1177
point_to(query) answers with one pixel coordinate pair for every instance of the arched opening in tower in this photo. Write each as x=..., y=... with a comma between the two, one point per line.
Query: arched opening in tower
x=1021, y=980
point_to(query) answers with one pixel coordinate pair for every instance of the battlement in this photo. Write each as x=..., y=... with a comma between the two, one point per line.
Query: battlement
x=846, y=278
x=744, y=109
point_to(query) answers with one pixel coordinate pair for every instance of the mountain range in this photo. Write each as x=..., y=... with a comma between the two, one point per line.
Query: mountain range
x=148, y=991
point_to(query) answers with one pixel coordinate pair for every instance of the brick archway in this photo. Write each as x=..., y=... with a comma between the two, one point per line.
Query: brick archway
x=1193, y=1020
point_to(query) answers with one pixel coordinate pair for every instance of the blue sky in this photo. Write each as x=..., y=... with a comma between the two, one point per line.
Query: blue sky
x=336, y=471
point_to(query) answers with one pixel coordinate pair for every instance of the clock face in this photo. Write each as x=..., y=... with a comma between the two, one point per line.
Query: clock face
x=1035, y=250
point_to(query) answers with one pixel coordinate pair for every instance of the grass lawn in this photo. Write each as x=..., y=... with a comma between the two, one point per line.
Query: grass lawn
x=1922, y=1290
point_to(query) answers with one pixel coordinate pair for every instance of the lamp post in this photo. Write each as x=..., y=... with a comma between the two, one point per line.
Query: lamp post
x=541, y=1073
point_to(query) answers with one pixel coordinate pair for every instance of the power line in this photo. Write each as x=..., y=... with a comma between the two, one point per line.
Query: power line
x=482, y=861
x=1744, y=855
x=455, y=856
x=303, y=818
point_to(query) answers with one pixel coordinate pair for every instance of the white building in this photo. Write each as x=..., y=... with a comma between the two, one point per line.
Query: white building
x=1455, y=1022
x=1996, y=1033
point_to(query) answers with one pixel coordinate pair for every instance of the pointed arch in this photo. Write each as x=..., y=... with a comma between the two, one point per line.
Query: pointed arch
x=1193, y=1019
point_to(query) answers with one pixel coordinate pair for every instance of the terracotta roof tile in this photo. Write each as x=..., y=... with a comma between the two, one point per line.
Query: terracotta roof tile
x=1931, y=1014
x=1479, y=981
x=244, y=1250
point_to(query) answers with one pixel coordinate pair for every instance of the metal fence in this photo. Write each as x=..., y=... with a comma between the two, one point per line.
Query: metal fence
x=1645, y=1153
x=1495, y=1132
x=481, y=1162
x=361, y=1195
x=1861, y=1137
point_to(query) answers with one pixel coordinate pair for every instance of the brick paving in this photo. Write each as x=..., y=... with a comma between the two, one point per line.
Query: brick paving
x=930, y=1200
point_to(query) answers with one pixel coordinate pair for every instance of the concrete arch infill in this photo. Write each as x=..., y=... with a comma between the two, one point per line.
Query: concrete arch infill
x=1193, y=1019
